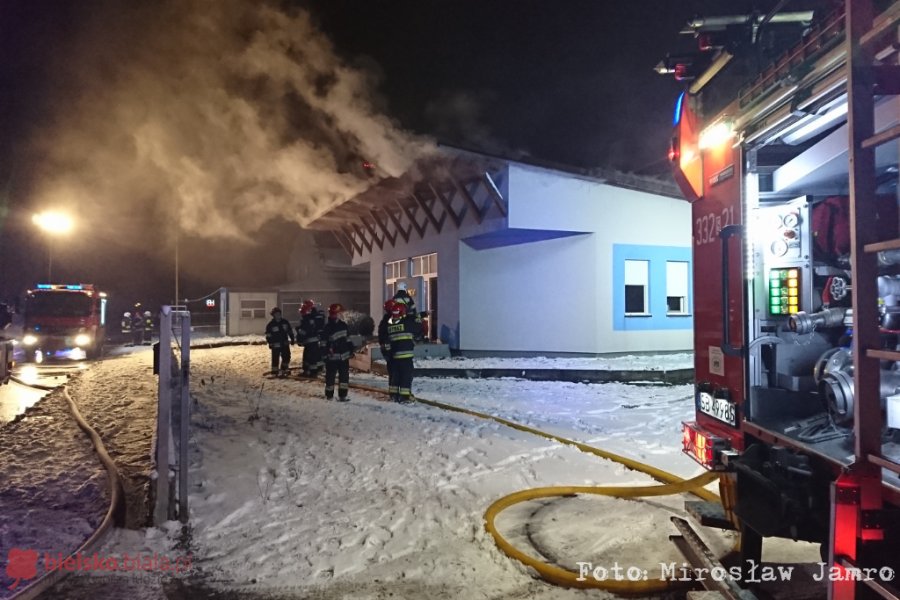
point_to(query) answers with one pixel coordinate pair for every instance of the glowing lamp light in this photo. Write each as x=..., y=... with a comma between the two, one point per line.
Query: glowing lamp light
x=701, y=445
x=678, y=103
x=715, y=135
x=784, y=291
x=29, y=340
x=53, y=222
x=82, y=339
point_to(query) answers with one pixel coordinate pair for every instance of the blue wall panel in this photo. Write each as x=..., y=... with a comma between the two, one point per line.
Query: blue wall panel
x=657, y=256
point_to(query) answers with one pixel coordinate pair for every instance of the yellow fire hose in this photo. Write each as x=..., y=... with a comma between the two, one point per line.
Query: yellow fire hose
x=672, y=484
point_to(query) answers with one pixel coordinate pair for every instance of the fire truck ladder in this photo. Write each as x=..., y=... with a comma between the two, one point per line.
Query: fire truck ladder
x=864, y=529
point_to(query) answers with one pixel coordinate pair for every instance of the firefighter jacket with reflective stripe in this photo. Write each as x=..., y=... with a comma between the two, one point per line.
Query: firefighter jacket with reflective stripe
x=336, y=336
x=383, y=340
x=278, y=333
x=402, y=333
x=310, y=327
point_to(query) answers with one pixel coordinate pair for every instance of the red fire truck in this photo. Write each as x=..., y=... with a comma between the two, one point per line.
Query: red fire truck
x=791, y=168
x=64, y=321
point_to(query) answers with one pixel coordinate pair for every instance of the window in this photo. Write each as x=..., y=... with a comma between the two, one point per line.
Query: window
x=396, y=269
x=425, y=265
x=394, y=272
x=676, y=288
x=253, y=309
x=636, y=280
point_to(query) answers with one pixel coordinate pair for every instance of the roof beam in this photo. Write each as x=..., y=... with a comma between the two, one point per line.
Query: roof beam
x=375, y=238
x=401, y=230
x=341, y=237
x=349, y=235
x=495, y=194
x=438, y=224
x=411, y=215
x=448, y=207
x=362, y=236
x=384, y=228
x=468, y=198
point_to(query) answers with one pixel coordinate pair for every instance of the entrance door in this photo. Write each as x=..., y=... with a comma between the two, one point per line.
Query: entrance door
x=431, y=333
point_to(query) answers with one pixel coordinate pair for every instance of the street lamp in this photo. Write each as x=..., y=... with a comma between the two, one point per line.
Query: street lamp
x=52, y=223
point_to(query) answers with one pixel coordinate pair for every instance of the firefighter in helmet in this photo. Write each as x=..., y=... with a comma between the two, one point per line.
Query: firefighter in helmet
x=402, y=329
x=148, y=327
x=384, y=341
x=404, y=297
x=137, y=325
x=338, y=350
x=280, y=337
x=312, y=320
x=126, y=327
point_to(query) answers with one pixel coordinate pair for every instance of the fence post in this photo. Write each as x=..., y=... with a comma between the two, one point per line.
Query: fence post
x=164, y=416
x=183, y=463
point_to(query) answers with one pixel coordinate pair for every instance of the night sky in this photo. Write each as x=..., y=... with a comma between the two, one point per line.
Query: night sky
x=229, y=124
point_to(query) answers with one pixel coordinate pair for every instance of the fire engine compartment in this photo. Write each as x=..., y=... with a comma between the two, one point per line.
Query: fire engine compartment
x=799, y=298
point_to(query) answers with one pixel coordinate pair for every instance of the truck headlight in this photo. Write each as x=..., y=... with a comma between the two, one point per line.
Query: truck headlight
x=82, y=339
x=29, y=339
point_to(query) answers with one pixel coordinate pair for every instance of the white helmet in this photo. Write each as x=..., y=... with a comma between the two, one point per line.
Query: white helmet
x=146, y=313
x=128, y=314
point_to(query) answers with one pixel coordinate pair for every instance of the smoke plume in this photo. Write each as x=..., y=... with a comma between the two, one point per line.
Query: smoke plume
x=217, y=115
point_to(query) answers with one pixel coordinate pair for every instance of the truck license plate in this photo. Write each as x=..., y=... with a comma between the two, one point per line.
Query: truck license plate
x=718, y=408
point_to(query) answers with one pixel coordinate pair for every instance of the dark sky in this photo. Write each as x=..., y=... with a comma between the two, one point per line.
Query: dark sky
x=234, y=123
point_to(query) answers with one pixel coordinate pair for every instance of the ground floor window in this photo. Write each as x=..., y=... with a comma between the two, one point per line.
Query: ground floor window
x=651, y=287
x=419, y=276
x=253, y=309
x=394, y=272
x=677, y=287
x=637, y=278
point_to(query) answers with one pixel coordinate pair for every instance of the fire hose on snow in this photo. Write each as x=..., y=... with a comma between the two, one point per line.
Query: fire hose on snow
x=671, y=484
x=114, y=514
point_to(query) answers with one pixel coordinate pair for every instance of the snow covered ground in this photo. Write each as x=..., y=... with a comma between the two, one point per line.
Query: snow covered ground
x=293, y=496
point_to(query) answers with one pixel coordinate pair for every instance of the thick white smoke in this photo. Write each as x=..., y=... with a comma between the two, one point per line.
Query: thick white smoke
x=218, y=115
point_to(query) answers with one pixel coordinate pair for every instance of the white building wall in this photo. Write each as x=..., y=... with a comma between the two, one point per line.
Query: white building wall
x=534, y=297
x=239, y=326
x=543, y=199
x=554, y=295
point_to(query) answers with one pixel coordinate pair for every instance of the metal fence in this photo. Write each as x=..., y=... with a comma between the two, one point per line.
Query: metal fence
x=172, y=362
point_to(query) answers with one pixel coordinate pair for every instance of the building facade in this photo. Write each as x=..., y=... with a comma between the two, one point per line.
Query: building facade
x=510, y=258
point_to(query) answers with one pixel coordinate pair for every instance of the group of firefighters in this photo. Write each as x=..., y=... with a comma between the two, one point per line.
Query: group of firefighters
x=138, y=326
x=326, y=343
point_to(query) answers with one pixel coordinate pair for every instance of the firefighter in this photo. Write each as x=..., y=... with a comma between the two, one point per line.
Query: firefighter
x=126, y=327
x=402, y=331
x=148, y=327
x=402, y=296
x=338, y=350
x=137, y=325
x=280, y=337
x=384, y=341
x=312, y=320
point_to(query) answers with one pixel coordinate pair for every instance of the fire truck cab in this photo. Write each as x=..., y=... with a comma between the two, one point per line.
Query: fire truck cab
x=791, y=167
x=64, y=321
